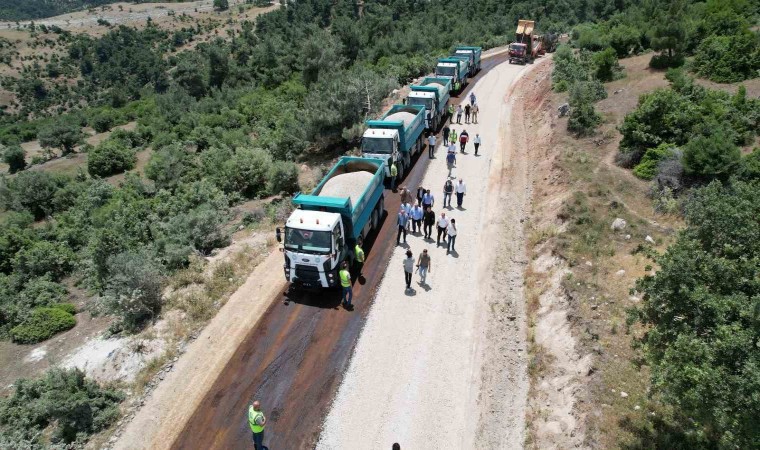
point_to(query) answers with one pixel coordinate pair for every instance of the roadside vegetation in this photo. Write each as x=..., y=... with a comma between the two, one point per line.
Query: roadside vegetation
x=675, y=352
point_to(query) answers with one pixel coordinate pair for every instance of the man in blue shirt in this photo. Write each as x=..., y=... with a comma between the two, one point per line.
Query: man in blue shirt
x=417, y=213
x=402, y=221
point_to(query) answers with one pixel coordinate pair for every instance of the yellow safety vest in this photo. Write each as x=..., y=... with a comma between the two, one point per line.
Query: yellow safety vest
x=252, y=416
x=345, y=278
x=394, y=170
x=359, y=253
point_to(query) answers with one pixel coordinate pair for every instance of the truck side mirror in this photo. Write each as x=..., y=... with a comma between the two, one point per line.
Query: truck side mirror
x=278, y=234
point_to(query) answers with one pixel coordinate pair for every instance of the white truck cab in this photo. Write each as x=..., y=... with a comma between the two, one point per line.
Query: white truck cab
x=446, y=69
x=426, y=99
x=381, y=144
x=314, y=245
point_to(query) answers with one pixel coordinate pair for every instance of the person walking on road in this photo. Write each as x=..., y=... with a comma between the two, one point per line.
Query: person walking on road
x=451, y=161
x=451, y=230
x=431, y=145
x=448, y=190
x=463, y=138
x=423, y=266
x=451, y=112
x=428, y=219
x=461, y=189
x=402, y=221
x=345, y=284
x=420, y=194
x=475, y=111
x=467, y=113
x=443, y=224
x=428, y=200
x=459, y=114
x=394, y=174
x=476, y=141
x=417, y=214
x=453, y=137
x=472, y=98
x=446, y=131
x=406, y=196
x=408, y=269
x=257, y=420
x=452, y=147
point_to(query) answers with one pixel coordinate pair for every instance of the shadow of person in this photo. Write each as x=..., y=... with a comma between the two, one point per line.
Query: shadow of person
x=410, y=292
x=361, y=280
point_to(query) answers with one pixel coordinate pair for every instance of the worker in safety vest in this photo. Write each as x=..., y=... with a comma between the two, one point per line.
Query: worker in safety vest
x=257, y=420
x=345, y=283
x=359, y=257
x=394, y=174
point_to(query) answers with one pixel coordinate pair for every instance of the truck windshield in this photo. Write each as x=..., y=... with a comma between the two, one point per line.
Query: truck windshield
x=308, y=241
x=426, y=102
x=446, y=71
x=518, y=48
x=377, y=145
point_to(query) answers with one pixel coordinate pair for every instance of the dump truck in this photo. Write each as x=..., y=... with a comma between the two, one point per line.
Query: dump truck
x=322, y=231
x=455, y=68
x=521, y=50
x=433, y=93
x=550, y=42
x=474, y=53
x=395, y=137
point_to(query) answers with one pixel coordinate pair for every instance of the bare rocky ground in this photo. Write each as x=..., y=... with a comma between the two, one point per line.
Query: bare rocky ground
x=445, y=365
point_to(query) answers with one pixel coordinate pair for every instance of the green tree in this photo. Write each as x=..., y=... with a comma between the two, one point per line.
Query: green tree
x=73, y=406
x=33, y=191
x=701, y=310
x=669, y=32
x=14, y=156
x=606, y=63
x=63, y=134
x=221, y=4
x=583, y=119
x=44, y=258
x=711, y=157
x=109, y=158
x=728, y=59
x=167, y=166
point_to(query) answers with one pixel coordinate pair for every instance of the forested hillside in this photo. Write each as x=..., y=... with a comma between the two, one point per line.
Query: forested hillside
x=40, y=9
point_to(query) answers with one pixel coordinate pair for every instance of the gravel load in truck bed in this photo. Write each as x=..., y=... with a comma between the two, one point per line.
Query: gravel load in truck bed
x=347, y=185
x=441, y=88
x=405, y=117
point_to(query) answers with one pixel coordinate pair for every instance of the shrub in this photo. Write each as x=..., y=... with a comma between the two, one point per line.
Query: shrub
x=68, y=307
x=73, y=406
x=568, y=68
x=103, y=120
x=283, y=178
x=33, y=191
x=647, y=168
x=43, y=292
x=664, y=61
x=44, y=258
x=749, y=169
x=711, y=157
x=109, y=158
x=583, y=119
x=42, y=324
x=133, y=289
x=14, y=156
x=624, y=39
x=587, y=92
x=63, y=134
x=728, y=59
x=606, y=63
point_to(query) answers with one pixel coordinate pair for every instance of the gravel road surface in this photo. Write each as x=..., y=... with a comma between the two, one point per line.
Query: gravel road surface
x=417, y=374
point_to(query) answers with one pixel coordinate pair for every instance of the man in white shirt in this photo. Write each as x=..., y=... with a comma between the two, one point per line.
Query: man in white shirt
x=476, y=141
x=460, y=189
x=431, y=144
x=443, y=225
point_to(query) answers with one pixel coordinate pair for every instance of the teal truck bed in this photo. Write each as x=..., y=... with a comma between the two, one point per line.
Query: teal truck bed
x=433, y=93
x=475, y=55
x=409, y=130
x=355, y=216
x=454, y=68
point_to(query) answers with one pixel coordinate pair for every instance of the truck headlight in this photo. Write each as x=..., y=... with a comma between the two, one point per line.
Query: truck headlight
x=331, y=275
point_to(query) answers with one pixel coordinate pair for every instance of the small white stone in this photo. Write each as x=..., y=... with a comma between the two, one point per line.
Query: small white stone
x=620, y=273
x=637, y=407
x=623, y=394
x=618, y=224
x=627, y=237
x=589, y=263
x=649, y=239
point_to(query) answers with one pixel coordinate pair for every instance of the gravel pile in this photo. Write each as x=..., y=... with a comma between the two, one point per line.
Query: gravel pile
x=347, y=185
x=441, y=88
x=405, y=117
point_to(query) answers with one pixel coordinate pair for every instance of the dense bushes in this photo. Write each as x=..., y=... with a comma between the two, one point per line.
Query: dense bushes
x=43, y=323
x=701, y=312
x=64, y=400
x=728, y=59
x=647, y=167
x=109, y=158
x=713, y=122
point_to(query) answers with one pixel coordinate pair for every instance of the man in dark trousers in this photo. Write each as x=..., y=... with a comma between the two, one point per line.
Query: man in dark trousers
x=257, y=420
x=428, y=219
x=402, y=221
x=446, y=131
x=467, y=113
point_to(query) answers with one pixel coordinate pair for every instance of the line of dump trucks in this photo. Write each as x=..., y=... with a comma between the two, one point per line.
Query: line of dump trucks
x=348, y=203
